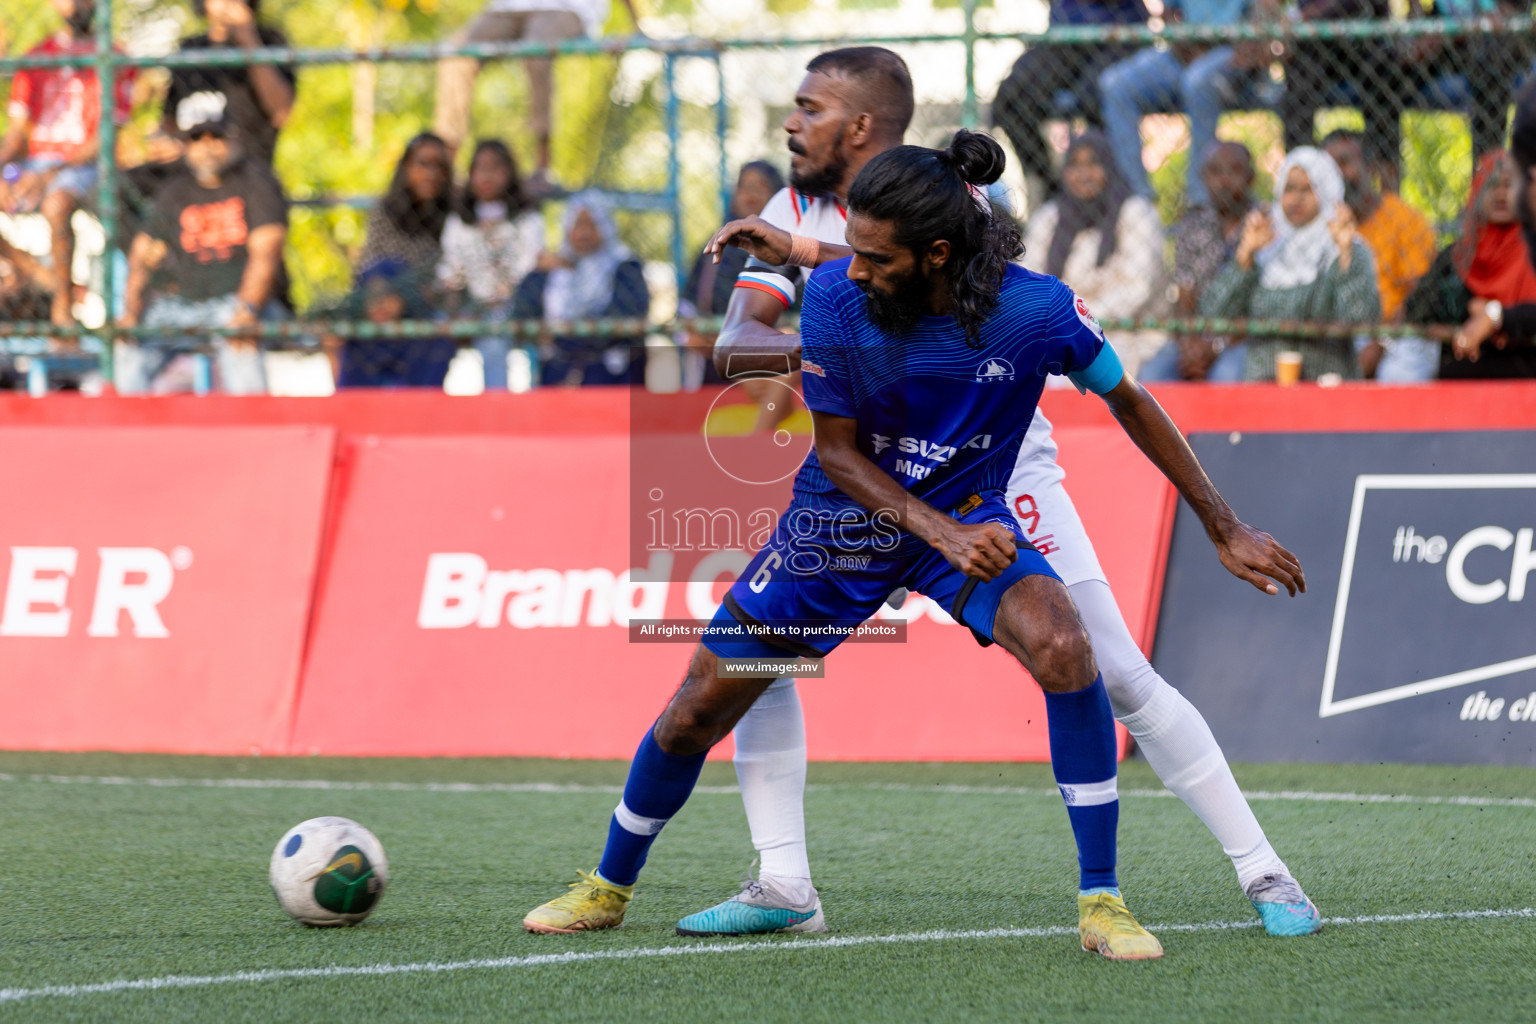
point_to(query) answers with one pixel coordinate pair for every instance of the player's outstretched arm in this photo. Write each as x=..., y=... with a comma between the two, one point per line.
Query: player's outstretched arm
x=773, y=245
x=1248, y=554
x=982, y=550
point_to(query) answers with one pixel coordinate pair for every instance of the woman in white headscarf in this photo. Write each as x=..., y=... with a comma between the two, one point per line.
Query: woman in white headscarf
x=1301, y=261
x=593, y=276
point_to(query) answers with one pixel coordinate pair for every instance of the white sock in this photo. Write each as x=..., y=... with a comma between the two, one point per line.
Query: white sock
x=1174, y=737
x=770, y=767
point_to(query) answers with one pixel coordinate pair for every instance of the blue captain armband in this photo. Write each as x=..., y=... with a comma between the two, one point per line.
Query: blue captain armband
x=1102, y=376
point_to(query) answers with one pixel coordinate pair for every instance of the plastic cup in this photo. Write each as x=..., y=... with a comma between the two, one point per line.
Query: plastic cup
x=1287, y=368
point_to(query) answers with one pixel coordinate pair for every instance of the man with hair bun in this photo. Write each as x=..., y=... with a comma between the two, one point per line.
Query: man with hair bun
x=853, y=105
x=928, y=329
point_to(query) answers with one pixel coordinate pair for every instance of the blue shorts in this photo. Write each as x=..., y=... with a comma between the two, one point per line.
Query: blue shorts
x=805, y=591
x=79, y=182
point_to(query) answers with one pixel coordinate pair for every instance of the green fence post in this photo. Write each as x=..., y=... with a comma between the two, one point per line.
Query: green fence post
x=674, y=172
x=106, y=175
x=722, y=125
x=969, y=115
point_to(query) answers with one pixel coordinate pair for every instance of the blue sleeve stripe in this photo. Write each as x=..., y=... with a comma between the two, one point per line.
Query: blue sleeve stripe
x=1103, y=375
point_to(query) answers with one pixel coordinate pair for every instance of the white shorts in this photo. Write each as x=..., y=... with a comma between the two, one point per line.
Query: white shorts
x=1049, y=519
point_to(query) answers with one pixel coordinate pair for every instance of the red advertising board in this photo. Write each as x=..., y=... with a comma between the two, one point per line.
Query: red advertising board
x=156, y=584
x=477, y=590
x=222, y=575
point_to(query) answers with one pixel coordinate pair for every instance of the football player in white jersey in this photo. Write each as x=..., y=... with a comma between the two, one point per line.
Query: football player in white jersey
x=853, y=104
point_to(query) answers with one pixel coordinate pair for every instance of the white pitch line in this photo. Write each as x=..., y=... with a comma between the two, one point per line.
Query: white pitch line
x=16, y=995
x=893, y=787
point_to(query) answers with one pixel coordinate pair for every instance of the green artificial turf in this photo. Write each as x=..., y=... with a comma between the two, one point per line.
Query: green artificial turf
x=105, y=882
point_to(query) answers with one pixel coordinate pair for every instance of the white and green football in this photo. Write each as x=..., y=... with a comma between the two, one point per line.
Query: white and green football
x=328, y=872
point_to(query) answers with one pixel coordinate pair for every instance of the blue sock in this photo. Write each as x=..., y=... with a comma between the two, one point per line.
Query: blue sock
x=1082, y=732
x=659, y=784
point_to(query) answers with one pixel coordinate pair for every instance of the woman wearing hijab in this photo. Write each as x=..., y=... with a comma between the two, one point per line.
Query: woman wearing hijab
x=1485, y=282
x=1105, y=243
x=592, y=276
x=407, y=224
x=1301, y=261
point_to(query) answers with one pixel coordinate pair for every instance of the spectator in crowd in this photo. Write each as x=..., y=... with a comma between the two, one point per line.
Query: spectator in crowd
x=1477, y=68
x=592, y=276
x=1522, y=144
x=492, y=239
x=1316, y=68
x=707, y=291
x=49, y=149
x=256, y=99
x=1403, y=245
x=1485, y=282
x=1056, y=81
x=26, y=293
x=1195, y=79
x=503, y=21
x=386, y=293
x=27, y=285
x=407, y=223
x=1301, y=262
x=1204, y=240
x=208, y=255
x=1106, y=243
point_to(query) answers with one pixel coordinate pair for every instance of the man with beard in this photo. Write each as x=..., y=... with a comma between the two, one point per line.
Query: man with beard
x=1403, y=242
x=1204, y=239
x=208, y=255
x=853, y=104
x=862, y=96
x=928, y=330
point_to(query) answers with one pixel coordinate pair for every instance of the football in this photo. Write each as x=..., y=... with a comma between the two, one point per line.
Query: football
x=328, y=872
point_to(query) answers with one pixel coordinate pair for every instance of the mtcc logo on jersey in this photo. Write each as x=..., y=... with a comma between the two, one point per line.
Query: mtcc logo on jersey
x=994, y=369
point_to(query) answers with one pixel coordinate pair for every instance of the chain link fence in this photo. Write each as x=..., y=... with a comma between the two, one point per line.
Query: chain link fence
x=430, y=193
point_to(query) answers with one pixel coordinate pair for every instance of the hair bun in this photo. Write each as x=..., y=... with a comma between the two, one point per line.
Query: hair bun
x=977, y=157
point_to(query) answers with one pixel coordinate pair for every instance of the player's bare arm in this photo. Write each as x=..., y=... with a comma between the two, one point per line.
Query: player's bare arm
x=1248, y=554
x=768, y=243
x=982, y=550
x=750, y=344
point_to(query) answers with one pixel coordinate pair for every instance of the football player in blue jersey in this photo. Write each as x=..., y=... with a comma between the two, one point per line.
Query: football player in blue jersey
x=853, y=104
x=927, y=332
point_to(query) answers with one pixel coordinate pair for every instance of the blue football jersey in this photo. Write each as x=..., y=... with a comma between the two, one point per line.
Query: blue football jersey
x=943, y=417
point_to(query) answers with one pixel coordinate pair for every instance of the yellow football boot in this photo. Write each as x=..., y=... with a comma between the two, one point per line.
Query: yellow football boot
x=1107, y=928
x=593, y=903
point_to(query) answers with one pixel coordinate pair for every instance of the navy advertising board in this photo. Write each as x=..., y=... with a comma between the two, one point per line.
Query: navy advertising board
x=1416, y=640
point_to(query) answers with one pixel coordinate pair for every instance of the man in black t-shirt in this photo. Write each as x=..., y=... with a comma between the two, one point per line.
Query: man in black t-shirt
x=255, y=99
x=208, y=255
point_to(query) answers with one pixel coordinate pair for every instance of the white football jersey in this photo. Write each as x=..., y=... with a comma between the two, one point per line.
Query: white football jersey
x=821, y=217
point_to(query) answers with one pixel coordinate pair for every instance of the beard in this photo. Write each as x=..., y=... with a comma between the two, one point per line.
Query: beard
x=823, y=179
x=897, y=311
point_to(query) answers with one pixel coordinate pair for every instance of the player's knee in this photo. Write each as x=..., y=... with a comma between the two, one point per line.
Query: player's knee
x=694, y=722
x=684, y=729
x=1063, y=661
x=1130, y=682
